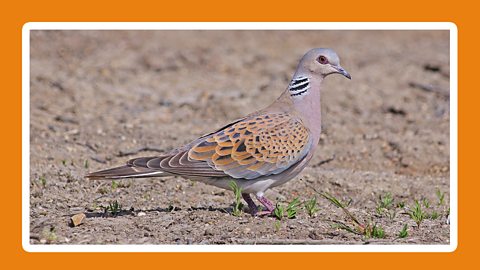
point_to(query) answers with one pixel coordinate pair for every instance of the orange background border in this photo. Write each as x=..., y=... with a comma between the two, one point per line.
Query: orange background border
x=13, y=16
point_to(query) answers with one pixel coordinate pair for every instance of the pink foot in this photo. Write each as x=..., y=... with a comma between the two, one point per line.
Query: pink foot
x=268, y=205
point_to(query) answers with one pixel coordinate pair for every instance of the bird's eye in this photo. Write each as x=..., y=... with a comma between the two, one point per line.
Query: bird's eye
x=322, y=60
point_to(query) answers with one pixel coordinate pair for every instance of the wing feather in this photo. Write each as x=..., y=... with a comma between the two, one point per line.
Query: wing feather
x=256, y=146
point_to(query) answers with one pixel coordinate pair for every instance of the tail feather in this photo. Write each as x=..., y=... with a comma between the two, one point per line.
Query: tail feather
x=124, y=172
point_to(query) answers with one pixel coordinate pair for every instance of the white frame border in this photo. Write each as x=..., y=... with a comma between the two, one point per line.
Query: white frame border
x=239, y=26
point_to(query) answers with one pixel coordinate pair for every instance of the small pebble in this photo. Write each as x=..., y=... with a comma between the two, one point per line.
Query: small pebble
x=208, y=231
x=77, y=219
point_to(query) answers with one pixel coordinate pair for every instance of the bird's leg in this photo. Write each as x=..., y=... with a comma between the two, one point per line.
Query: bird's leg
x=268, y=204
x=251, y=204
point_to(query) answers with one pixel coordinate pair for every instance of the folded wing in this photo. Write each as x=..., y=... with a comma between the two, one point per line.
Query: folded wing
x=256, y=146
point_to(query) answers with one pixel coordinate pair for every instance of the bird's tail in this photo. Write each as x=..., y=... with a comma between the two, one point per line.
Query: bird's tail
x=124, y=172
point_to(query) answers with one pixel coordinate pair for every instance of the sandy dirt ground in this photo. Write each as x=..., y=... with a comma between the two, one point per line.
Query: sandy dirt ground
x=99, y=98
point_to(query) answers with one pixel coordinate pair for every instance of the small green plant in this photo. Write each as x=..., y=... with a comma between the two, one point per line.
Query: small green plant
x=85, y=164
x=403, y=232
x=385, y=206
x=375, y=231
x=292, y=208
x=64, y=162
x=238, y=206
x=334, y=200
x=386, y=201
x=359, y=228
x=441, y=197
x=391, y=214
x=114, y=208
x=42, y=180
x=401, y=204
x=49, y=235
x=279, y=211
x=114, y=184
x=311, y=206
x=426, y=203
x=417, y=213
x=369, y=231
x=434, y=215
x=343, y=226
x=277, y=225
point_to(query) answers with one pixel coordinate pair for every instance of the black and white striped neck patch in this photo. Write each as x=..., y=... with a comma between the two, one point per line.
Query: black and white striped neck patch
x=299, y=86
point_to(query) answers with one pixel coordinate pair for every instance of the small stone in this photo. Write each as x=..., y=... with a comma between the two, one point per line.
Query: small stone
x=141, y=214
x=313, y=235
x=208, y=232
x=247, y=230
x=77, y=219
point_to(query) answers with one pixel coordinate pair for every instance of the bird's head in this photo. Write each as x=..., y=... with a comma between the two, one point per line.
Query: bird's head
x=323, y=62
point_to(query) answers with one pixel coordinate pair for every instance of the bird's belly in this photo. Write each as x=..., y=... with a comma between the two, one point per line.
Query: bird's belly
x=248, y=186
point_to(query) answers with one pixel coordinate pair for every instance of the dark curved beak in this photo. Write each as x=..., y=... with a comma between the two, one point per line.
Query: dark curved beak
x=342, y=71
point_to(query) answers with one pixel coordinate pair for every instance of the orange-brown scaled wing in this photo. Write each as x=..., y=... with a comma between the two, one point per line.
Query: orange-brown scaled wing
x=257, y=146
